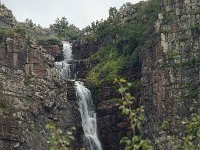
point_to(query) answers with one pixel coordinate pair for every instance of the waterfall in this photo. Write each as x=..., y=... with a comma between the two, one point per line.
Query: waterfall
x=64, y=67
x=83, y=95
x=88, y=116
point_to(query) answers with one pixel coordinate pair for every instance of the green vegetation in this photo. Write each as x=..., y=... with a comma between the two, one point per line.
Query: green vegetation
x=26, y=29
x=108, y=67
x=20, y=30
x=57, y=141
x=123, y=40
x=29, y=23
x=31, y=30
x=15, y=32
x=2, y=31
x=168, y=18
x=135, y=116
x=64, y=30
x=191, y=140
x=171, y=54
x=47, y=40
x=5, y=103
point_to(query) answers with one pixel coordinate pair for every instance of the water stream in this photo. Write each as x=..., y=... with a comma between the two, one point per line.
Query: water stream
x=64, y=66
x=85, y=102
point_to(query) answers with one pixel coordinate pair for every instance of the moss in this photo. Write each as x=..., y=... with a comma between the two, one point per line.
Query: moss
x=193, y=91
x=171, y=55
x=126, y=41
x=12, y=32
x=107, y=69
x=164, y=126
x=187, y=50
x=165, y=31
x=28, y=80
x=197, y=12
x=2, y=32
x=168, y=17
x=47, y=40
x=5, y=103
x=195, y=62
x=191, y=135
x=110, y=102
x=183, y=38
x=20, y=30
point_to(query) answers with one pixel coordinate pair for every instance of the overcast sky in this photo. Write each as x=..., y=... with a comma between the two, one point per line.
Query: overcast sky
x=78, y=12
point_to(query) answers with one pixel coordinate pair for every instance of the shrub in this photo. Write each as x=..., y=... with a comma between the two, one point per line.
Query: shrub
x=135, y=117
x=57, y=140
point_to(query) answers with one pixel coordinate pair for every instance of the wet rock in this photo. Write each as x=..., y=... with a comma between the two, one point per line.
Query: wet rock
x=83, y=49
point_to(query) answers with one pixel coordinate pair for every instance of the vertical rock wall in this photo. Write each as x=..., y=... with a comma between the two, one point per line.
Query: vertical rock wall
x=112, y=126
x=171, y=73
x=32, y=94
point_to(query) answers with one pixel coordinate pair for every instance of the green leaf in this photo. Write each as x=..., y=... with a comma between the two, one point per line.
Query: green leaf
x=129, y=84
x=73, y=128
x=198, y=132
x=69, y=133
x=122, y=81
x=122, y=90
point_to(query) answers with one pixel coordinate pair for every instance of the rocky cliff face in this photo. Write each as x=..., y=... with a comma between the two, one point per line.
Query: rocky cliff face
x=83, y=49
x=112, y=126
x=169, y=76
x=170, y=80
x=27, y=105
x=53, y=47
x=32, y=94
x=6, y=17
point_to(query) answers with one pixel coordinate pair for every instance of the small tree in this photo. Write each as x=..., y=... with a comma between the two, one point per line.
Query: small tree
x=112, y=11
x=29, y=23
x=135, y=117
x=60, y=26
x=65, y=30
x=57, y=141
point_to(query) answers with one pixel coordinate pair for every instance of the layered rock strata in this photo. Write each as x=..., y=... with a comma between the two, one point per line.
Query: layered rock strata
x=170, y=80
x=32, y=93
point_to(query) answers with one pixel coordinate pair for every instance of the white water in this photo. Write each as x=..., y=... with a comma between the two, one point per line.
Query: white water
x=86, y=108
x=64, y=66
x=88, y=117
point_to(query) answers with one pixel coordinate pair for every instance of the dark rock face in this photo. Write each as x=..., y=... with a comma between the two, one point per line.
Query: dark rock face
x=80, y=68
x=32, y=94
x=54, y=48
x=14, y=53
x=170, y=81
x=28, y=104
x=20, y=54
x=112, y=126
x=84, y=49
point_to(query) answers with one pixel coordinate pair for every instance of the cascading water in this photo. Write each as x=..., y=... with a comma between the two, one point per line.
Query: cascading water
x=85, y=102
x=88, y=116
x=64, y=66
